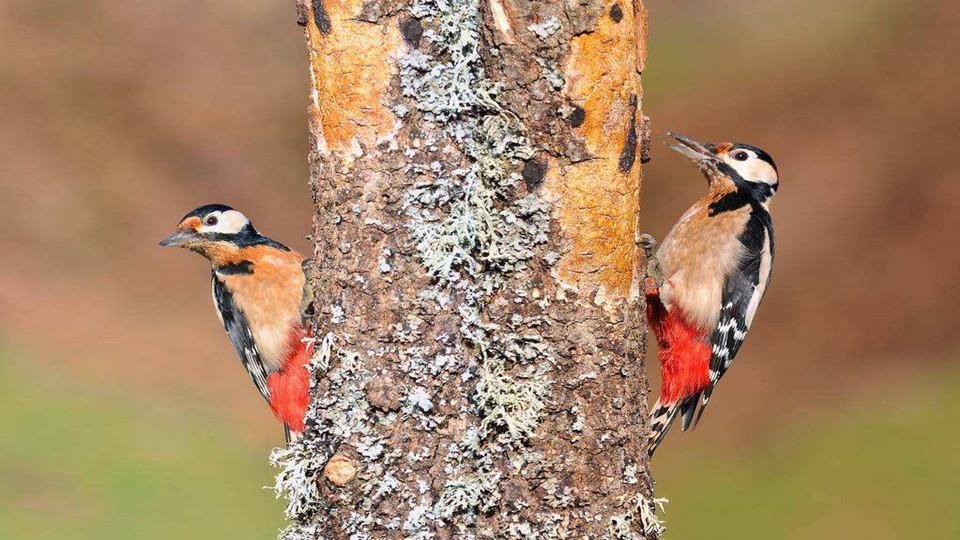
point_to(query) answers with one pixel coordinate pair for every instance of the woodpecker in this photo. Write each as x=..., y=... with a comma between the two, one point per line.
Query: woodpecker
x=257, y=290
x=710, y=274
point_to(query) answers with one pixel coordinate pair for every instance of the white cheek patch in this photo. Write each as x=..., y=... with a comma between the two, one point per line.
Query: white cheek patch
x=754, y=170
x=228, y=222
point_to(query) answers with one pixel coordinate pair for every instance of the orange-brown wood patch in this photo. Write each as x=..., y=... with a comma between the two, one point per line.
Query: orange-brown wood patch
x=598, y=203
x=349, y=74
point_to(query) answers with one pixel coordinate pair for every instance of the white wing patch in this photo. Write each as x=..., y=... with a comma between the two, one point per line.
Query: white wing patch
x=766, y=262
x=742, y=295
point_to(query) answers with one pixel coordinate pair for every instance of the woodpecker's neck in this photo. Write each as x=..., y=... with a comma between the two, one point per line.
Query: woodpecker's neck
x=246, y=237
x=219, y=253
x=230, y=250
x=729, y=191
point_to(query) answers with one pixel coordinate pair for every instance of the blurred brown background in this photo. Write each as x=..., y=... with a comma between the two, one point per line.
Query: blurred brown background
x=125, y=413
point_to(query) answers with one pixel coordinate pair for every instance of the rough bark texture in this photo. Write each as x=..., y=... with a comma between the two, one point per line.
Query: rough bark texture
x=475, y=169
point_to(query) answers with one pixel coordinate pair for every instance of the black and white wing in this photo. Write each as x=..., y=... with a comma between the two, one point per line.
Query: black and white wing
x=235, y=323
x=742, y=293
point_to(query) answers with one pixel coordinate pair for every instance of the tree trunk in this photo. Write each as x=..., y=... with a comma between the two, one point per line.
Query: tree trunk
x=475, y=169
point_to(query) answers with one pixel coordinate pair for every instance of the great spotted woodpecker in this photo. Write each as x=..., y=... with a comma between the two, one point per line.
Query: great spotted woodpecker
x=257, y=290
x=714, y=267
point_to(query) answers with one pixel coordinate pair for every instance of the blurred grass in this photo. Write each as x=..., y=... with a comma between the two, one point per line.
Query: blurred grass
x=682, y=66
x=87, y=465
x=78, y=465
x=885, y=470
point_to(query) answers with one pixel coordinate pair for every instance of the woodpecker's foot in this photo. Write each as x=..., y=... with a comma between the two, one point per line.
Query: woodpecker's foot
x=307, y=309
x=651, y=287
x=648, y=243
x=654, y=279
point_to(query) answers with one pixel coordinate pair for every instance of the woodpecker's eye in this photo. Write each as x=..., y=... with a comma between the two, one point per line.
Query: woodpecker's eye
x=741, y=156
x=211, y=221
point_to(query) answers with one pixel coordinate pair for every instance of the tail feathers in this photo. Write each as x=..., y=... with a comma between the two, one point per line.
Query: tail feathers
x=704, y=399
x=688, y=407
x=664, y=414
x=660, y=420
x=291, y=435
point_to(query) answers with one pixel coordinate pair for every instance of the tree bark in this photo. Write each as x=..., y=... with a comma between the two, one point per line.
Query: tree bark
x=475, y=169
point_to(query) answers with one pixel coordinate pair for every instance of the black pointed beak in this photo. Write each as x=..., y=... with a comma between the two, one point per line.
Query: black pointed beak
x=693, y=150
x=179, y=239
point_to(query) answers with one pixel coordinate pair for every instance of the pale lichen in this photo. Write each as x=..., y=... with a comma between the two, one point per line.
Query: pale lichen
x=296, y=481
x=508, y=402
x=551, y=73
x=642, y=515
x=473, y=234
x=546, y=28
x=300, y=463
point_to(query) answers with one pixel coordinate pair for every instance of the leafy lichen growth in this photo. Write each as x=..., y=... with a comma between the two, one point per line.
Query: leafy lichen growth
x=643, y=511
x=459, y=495
x=478, y=235
x=300, y=463
x=545, y=29
x=472, y=234
x=510, y=403
x=296, y=479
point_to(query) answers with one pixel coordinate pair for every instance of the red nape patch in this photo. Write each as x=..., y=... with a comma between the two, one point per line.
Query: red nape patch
x=290, y=387
x=684, y=353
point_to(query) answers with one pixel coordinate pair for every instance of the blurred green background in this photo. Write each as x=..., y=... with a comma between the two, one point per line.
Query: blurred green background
x=124, y=414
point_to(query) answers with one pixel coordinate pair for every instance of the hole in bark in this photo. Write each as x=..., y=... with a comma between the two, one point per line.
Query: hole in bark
x=616, y=13
x=411, y=30
x=578, y=116
x=629, y=153
x=533, y=173
x=320, y=17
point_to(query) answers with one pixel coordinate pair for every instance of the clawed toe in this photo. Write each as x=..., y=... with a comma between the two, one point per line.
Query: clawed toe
x=651, y=287
x=648, y=243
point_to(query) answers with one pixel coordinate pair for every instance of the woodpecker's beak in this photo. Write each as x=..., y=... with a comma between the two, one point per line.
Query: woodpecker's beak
x=179, y=239
x=694, y=150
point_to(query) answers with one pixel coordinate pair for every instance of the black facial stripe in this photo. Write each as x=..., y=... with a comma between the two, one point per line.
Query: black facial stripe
x=240, y=268
x=755, y=191
x=729, y=202
x=244, y=240
x=247, y=237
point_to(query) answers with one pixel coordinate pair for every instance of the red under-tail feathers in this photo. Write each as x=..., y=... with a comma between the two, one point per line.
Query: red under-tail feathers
x=290, y=386
x=684, y=367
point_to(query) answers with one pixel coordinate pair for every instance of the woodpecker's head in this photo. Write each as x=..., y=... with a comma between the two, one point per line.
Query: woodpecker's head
x=749, y=168
x=213, y=230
